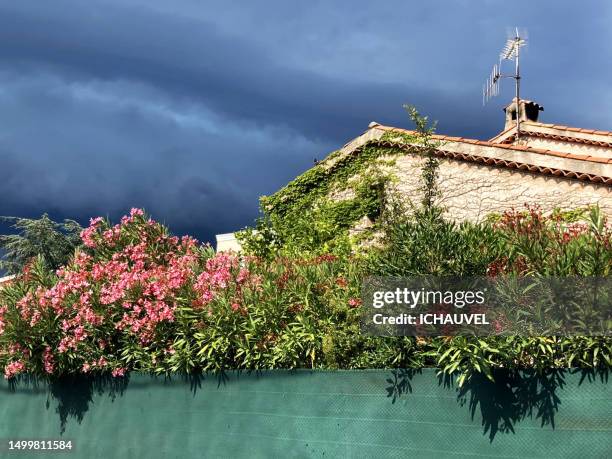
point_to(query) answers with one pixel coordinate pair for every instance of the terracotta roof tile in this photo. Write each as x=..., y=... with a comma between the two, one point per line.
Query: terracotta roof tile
x=574, y=129
x=511, y=164
x=493, y=144
x=562, y=138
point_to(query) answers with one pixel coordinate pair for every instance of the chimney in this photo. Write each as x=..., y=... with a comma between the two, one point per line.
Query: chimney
x=529, y=111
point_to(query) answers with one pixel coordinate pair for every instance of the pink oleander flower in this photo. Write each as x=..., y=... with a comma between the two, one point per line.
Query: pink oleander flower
x=354, y=302
x=95, y=221
x=13, y=368
x=87, y=236
x=118, y=372
x=129, y=285
x=48, y=361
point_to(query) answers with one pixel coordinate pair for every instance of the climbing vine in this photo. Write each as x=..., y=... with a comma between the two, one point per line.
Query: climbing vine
x=317, y=211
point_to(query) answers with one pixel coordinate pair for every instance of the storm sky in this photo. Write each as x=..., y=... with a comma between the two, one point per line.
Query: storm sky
x=193, y=109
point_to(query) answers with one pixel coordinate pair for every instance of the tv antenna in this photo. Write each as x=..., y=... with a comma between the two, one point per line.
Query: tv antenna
x=510, y=51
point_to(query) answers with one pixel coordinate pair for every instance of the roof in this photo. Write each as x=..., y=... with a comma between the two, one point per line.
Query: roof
x=557, y=132
x=522, y=157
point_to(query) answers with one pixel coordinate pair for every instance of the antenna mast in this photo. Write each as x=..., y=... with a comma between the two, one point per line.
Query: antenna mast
x=491, y=88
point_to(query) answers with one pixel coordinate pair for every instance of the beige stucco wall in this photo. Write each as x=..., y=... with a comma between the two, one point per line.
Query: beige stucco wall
x=5, y=281
x=470, y=191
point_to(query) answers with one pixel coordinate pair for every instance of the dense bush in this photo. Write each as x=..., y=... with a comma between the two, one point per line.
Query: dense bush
x=137, y=298
x=423, y=242
x=519, y=243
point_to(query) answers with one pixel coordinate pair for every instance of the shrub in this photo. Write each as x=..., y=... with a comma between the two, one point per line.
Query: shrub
x=531, y=243
x=137, y=298
x=422, y=242
x=550, y=245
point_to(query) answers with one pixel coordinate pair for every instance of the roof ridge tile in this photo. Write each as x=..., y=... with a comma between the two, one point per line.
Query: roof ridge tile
x=501, y=145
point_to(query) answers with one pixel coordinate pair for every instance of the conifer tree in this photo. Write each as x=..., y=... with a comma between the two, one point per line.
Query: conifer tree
x=53, y=241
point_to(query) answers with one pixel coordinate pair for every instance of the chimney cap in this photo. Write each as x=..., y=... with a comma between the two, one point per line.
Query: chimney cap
x=525, y=102
x=528, y=110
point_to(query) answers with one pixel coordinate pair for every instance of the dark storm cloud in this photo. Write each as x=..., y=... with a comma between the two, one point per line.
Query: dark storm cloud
x=98, y=148
x=194, y=109
x=194, y=60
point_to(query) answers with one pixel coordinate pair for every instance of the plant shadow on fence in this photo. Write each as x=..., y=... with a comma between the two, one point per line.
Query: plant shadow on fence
x=75, y=393
x=502, y=405
x=512, y=397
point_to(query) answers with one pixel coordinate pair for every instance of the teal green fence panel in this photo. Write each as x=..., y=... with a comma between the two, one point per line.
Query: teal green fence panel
x=374, y=413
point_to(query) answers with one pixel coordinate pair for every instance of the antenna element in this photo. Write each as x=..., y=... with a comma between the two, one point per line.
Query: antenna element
x=510, y=51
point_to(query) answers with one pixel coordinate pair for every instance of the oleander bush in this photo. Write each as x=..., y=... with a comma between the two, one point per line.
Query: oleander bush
x=518, y=242
x=133, y=297
x=136, y=298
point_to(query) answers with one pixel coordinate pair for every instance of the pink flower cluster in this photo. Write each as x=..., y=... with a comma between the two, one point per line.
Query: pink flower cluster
x=129, y=281
x=48, y=360
x=101, y=363
x=3, y=310
x=221, y=272
x=14, y=368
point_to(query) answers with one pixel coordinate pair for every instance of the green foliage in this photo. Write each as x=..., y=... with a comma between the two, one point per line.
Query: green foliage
x=315, y=223
x=300, y=306
x=422, y=242
x=536, y=244
x=417, y=240
x=298, y=311
x=53, y=242
x=532, y=244
x=572, y=215
x=315, y=212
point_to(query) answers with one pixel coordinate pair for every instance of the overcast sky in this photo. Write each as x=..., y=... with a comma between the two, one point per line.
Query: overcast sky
x=193, y=109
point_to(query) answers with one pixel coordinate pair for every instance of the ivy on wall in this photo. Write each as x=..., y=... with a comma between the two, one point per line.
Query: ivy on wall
x=317, y=210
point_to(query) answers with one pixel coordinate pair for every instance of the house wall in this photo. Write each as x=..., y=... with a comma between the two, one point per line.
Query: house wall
x=4, y=281
x=471, y=191
x=227, y=242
